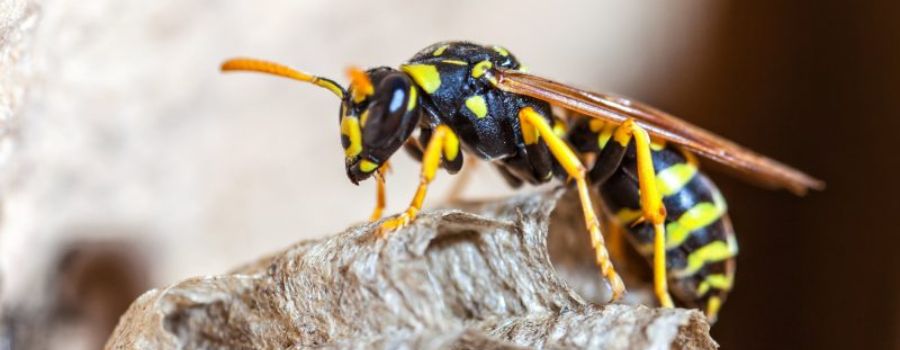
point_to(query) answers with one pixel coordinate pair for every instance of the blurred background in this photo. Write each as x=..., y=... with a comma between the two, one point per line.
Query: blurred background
x=128, y=162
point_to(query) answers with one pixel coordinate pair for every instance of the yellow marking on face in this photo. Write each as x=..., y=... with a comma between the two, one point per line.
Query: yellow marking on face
x=718, y=281
x=456, y=62
x=363, y=118
x=413, y=97
x=367, y=166
x=481, y=67
x=440, y=50
x=626, y=216
x=350, y=128
x=501, y=51
x=697, y=217
x=596, y=125
x=425, y=75
x=523, y=68
x=477, y=105
x=451, y=146
x=605, y=135
x=672, y=179
x=712, y=252
x=712, y=307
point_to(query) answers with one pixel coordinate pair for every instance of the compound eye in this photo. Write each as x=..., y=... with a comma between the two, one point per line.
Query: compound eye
x=388, y=111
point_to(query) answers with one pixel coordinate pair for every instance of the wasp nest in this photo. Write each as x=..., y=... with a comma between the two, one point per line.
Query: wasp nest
x=479, y=278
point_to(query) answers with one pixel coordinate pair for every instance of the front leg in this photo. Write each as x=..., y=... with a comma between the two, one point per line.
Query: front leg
x=443, y=144
x=380, y=195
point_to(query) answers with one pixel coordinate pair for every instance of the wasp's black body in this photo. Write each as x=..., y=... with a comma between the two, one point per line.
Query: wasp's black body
x=484, y=117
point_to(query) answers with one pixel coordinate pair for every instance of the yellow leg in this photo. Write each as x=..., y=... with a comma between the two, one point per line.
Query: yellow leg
x=431, y=160
x=651, y=203
x=534, y=126
x=616, y=244
x=380, y=200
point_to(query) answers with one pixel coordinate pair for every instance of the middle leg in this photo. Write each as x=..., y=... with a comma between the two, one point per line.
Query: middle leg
x=534, y=126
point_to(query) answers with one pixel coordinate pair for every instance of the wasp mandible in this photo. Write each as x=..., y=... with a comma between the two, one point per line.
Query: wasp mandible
x=471, y=99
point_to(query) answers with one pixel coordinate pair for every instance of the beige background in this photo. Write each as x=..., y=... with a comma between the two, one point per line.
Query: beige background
x=121, y=128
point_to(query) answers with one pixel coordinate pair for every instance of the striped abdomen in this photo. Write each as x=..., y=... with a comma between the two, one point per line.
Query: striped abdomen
x=700, y=242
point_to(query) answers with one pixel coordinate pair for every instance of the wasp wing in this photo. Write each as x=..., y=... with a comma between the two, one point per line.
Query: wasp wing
x=660, y=124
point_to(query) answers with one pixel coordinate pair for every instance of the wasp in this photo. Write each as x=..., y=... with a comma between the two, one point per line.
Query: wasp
x=478, y=100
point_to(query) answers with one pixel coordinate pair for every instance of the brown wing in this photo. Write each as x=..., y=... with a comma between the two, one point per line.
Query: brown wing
x=660, y=124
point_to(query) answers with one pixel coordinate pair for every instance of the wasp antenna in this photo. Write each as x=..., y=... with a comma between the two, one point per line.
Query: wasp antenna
x=360, y=84
x=261, y=66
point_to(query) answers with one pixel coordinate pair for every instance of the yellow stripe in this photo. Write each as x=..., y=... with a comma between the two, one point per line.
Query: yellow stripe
x=363, y=118
x=697, y=217
x=451, y=146
x=713, y=252
x=712, y=308
x=672, y=179
x=455, y=62
x=626, y=216
x=367, y=166
x=477, y=105
x=605, y=135
x=413, y=97
x=559, y=128
x=425, y=75
x=501, y=51
x=480, y=67
x=350, y=128
x=440, y=50
x=718, y=281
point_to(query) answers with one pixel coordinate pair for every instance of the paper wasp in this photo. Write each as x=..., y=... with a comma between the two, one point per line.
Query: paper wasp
x=466, y=98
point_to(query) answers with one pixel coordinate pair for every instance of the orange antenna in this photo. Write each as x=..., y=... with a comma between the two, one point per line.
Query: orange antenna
x=261, y=66
x=360, y=84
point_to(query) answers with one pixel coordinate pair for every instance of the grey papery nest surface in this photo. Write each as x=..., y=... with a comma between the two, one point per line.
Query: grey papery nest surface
x=479, y=277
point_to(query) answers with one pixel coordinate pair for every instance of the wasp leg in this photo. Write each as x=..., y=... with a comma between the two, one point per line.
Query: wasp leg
x=380, y=196
x=616, y=239
x=413, y=148
x=651, y=202
x=534, y=125
x=444, y=143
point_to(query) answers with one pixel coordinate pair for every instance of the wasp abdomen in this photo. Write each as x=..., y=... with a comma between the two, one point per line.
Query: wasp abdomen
x=700, y=242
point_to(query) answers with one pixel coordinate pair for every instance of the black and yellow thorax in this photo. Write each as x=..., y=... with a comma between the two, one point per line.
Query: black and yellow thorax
x=457, y=91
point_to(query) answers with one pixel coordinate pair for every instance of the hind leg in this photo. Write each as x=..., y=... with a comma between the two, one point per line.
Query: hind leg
x=651, y=201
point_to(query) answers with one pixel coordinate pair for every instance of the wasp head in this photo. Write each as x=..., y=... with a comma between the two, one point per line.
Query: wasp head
x=378, y=114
